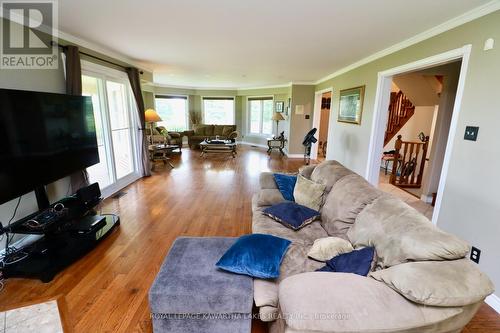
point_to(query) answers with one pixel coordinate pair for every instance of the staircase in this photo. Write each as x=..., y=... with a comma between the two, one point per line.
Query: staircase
x=400, y=111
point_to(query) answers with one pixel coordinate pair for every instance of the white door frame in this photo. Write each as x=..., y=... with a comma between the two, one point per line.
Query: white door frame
x=380, y=114
x=317, y=116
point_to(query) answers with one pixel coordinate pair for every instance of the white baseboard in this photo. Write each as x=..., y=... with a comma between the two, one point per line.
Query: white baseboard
x=493, y=301
x=426, y=198
x=253, y=144
x=295, y=155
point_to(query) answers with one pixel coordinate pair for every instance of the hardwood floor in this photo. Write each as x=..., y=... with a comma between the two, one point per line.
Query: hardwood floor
x=106, y=291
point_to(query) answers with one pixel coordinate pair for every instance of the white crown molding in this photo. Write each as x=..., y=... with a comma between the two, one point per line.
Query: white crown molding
x=471, y=15
x=284, y=85
x=493, y=301
x=173, y=86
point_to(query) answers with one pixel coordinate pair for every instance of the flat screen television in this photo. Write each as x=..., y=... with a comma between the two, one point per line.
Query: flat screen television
x=43, y=137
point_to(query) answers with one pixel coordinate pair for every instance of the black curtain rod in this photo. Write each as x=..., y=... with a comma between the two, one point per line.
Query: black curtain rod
x=63, y=47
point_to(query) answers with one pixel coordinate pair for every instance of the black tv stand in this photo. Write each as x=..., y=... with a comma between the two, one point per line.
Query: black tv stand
x=60, y=244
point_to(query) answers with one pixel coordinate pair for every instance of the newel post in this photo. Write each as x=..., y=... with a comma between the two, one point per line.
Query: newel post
x=395, y=162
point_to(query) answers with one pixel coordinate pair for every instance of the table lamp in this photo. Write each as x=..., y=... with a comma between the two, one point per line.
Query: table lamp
x=277, y=117
x=151, y=117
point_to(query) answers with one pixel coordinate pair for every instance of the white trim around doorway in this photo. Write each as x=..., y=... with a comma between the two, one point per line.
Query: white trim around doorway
x=317, y=117
x=379, y=123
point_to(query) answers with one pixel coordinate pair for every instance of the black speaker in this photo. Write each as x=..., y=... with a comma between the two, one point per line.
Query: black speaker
x=89, y=194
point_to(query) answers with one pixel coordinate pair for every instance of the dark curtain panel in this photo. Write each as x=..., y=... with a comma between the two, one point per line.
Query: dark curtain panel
x=74, y=87
x=135, y=83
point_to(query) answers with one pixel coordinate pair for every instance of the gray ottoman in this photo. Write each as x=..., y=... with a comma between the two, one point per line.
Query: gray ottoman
x=190, y=294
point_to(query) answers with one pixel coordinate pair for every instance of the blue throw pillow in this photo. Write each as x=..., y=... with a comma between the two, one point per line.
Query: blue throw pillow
x=357, y=262
x=291, y=214
x=256, y=255
x=286, y=184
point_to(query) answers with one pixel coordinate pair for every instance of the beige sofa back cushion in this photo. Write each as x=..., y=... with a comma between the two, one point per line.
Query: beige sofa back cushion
x=347, y=198
x=399, y=234
x=328, y=173
x=438, y=283
x=351, y=303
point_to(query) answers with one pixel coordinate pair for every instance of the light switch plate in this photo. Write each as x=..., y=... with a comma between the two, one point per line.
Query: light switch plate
x=471, y=133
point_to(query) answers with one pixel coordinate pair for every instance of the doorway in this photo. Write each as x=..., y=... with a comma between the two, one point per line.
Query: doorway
x=443, y=129
x=321, y=121
x=115, y=127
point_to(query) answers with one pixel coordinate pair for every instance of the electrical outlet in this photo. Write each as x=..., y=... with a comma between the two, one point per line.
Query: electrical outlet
x=471, y=133
x=475, y=253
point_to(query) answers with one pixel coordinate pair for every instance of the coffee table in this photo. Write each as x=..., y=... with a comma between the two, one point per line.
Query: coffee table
x=226, y=147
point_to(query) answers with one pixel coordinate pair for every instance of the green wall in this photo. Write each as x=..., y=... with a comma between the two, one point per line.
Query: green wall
x=470, y=206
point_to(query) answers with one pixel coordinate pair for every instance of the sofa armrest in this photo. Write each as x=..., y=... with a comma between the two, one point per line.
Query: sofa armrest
x=233, y=135
x=307, y=170
x=343, y=302
x=175, y=135
x=189, y=133
x=266, y=181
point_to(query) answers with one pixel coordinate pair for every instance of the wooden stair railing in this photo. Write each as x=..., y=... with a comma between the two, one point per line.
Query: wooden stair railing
x=409, y=163
x=401, y=110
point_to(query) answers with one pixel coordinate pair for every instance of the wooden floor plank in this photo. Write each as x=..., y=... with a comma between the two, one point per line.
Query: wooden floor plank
x=106, y=291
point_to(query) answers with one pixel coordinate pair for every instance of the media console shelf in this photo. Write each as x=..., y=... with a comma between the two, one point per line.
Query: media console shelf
x=60, y=244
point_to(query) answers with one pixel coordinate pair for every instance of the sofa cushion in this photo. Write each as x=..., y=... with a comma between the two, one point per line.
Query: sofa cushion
x=291, y=214
x=438, y=283
x=286, y=185
x=228, y=129
x=326, y=248
x=269, y=197
x=328, y=173
x=200, y=129
x=218, y=129
x=255, y=255
x=347, y=198
x=308, y=193
x=351, y=303
x=399, y=234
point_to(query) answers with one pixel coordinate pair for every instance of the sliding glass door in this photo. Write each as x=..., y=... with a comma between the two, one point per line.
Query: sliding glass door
x=115, y=126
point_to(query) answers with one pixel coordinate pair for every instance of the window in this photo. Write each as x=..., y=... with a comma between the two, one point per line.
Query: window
x=218, y=110
x=261, y=113
x=173, y=111
x=115, y=127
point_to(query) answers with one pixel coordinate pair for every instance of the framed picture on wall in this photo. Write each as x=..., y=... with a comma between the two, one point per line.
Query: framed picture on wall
x=280, y=106
x=351, y=105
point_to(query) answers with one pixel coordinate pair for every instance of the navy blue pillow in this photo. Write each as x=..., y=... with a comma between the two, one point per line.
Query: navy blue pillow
x=291, y=214
x=256, y=255
x=286, y=184
x=357, y=262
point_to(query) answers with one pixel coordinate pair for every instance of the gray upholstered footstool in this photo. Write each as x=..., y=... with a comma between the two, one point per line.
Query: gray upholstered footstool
x=190, y=294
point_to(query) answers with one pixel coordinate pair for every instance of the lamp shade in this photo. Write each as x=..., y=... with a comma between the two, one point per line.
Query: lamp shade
x=277, y=117
x=151, y=116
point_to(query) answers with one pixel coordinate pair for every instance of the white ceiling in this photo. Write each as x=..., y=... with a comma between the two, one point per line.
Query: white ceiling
x=249, y=43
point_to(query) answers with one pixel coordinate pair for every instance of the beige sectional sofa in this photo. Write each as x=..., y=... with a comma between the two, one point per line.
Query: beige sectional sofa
x=419, y=282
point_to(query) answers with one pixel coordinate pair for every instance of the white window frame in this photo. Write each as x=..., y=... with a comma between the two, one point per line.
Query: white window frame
x=105, y=73
x=186, y=97
x=249, y=116
x=217, y=97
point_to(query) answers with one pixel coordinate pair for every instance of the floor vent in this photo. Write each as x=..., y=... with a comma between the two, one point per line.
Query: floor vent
x=118, y=195
x=253, y=146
